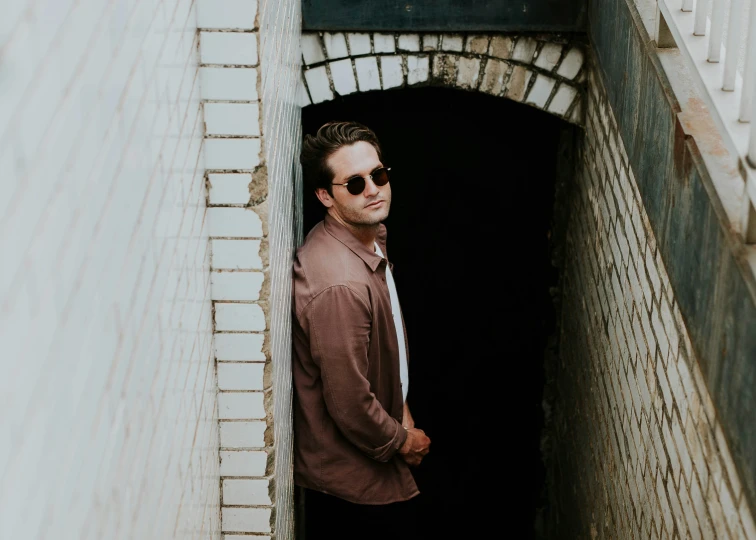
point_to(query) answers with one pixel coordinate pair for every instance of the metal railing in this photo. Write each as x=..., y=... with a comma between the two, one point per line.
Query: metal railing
x=711, y=35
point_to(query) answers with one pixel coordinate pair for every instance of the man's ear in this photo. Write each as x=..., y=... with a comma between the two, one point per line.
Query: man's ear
x=324, y=197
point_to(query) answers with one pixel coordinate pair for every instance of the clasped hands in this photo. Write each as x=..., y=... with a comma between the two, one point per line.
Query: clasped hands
x=417, y=444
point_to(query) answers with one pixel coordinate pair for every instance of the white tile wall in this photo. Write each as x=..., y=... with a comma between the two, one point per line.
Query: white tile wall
x=109, y=425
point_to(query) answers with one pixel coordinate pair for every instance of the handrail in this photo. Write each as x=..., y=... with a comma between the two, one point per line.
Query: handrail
x=729, y=93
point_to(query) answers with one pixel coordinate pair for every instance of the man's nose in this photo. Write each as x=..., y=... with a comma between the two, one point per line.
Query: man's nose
x=370, y=188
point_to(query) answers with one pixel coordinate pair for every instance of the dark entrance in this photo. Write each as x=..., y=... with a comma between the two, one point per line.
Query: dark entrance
x=473, y=197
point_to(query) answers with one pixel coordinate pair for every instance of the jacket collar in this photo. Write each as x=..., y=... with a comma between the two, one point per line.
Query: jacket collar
x=343, y=235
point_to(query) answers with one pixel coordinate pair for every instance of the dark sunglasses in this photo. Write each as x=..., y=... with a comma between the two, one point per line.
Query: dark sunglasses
x=356, y=184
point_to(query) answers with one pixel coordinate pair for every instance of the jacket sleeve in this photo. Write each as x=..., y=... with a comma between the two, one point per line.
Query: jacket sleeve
x=340, y=322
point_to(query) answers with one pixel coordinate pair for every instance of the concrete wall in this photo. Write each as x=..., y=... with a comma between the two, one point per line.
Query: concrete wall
x=250, y=75
x=638, y=447
x=109, y=427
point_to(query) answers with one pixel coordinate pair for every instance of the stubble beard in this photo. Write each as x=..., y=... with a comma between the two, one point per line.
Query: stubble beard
x=366, y=219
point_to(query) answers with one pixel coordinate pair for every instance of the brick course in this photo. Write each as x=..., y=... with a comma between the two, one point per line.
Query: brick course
x=543, y=71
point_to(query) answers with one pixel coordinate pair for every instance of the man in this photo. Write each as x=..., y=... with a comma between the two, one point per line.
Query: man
x=354, y=436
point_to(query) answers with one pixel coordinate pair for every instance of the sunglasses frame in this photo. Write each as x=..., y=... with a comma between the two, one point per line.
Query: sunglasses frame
x=364, y=178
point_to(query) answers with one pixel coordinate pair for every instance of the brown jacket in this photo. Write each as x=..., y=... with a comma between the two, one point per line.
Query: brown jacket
x=347, y=393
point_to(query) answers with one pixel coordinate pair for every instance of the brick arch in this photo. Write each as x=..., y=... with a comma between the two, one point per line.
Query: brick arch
x=544, y=71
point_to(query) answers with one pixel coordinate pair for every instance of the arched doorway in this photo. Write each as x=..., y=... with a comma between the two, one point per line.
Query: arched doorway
x=473, y=187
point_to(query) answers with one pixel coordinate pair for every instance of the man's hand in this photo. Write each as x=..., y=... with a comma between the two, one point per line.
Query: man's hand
x=415, y=447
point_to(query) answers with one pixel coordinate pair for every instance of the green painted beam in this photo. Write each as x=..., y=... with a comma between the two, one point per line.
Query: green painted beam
x=445, y=15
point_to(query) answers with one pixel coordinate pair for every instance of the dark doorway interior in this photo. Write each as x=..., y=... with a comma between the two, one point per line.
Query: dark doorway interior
x=473, y=195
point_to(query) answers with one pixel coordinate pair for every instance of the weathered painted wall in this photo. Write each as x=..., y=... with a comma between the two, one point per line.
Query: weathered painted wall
x=638, y=449
x=109, y=427
x=704, y=256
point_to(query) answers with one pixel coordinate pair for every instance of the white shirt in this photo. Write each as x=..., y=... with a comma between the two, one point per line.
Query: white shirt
x=396, y=312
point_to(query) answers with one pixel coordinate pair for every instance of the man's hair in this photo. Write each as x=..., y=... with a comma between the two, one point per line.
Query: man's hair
x=330, y=137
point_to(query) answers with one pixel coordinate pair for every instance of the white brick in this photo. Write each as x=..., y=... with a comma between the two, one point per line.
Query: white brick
x=234, y=222
x=241, y=405
x=239, y=317
x=500, y=47
x=493, y=77
x=318, y=84
x=228, y=48
x=335, y=45
x=418, y=69
x=236, y=255
x=467, y=74
x=229, y=188
x=312, y=50
x=246, y=519
x=368, y=75
x=359, y=44
x=235, y=14
x=653, y=274
x=540, y=91
x=548, y=57
x=244, y=537
x=343, y=77
x=236, y=434
x=239, y=84
x=245, y=492
x=571, y=63
x=430, y=42
x=409, y=42
x=476, y=44
x=452, y=42
x=241, y=376
x=384, y=43
x=563, y=98
x=239, y=347
x=518, y=83
x=232, y=119
x=524, y=50
x=243, y=463
x=391, y=71
x=232, y=154
x=236, y=285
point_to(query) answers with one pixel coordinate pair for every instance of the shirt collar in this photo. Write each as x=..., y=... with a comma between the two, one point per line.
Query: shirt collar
x=343, y=235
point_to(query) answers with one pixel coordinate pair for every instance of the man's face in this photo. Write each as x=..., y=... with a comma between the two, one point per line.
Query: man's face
x=369, y=207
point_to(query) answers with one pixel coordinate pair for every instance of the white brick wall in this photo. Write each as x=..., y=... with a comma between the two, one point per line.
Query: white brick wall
x=250, y=84
x=109, y=423
x=643, y=453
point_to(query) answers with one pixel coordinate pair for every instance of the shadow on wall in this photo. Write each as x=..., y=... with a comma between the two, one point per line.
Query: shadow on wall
x=473, y=195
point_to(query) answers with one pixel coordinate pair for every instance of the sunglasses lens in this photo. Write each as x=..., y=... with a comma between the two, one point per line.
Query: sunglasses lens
x=356, y=186
x=381, y=177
